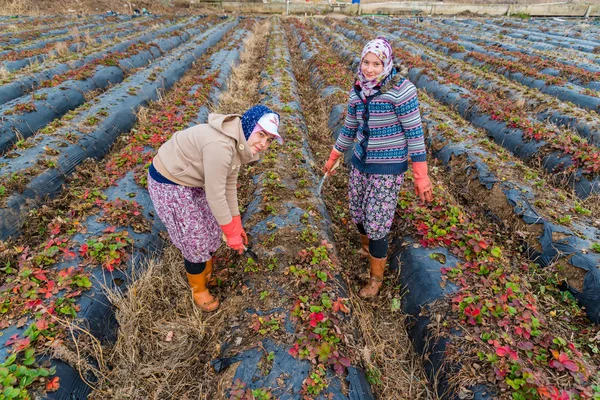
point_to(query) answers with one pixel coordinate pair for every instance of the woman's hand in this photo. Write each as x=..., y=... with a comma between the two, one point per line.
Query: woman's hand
x=333, y=156
x=423, y=187
x=233, y=234
x=243, y=233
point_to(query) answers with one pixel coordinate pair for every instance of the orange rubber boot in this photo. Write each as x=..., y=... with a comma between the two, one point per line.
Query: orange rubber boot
x=210, y=280
x=202, y=297
x=371, y=289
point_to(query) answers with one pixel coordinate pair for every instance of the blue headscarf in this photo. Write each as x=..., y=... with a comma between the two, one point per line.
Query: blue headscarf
x=250, y=118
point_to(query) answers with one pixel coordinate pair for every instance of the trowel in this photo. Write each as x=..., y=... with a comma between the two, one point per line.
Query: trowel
x=247, y=251
x=322, y=181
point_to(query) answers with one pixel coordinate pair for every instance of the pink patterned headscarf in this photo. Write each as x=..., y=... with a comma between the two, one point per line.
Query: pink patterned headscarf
x=383, y=50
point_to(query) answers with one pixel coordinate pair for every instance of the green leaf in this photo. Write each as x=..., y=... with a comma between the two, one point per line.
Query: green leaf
x=395, y=304
x=496, y=252
x=11, y=359
x=11, y=393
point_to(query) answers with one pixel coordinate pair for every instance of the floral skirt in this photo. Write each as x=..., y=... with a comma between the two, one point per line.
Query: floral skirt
x=185, y=213
x=373, y=200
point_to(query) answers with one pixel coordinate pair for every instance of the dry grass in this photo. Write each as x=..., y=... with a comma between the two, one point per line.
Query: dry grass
x=74, y=32
x=61, y=49
x=72, y=7
x=18, y=7
x=142, y=115
x=163, y=339
x=4, y=73
x=90, y=41
x=243, y=83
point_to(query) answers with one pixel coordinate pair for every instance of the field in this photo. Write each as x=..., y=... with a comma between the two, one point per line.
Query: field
x=492, y=291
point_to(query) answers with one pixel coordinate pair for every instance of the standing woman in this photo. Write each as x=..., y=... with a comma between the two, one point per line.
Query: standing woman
x=383, y=116
x=192, y=182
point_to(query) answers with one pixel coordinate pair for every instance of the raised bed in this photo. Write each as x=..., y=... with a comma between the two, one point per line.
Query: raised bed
x=18, y=60
x=538, y=46
x=19, y=86
x=511, y=68
x=581, y=122
x=92, y=132
x=24, y=116
x=57, y=29
x=516, y=206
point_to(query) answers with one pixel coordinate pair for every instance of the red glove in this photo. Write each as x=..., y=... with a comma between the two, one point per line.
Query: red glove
x=243, y=233
x=233, y=234
x=333, y=156
x=423, y=187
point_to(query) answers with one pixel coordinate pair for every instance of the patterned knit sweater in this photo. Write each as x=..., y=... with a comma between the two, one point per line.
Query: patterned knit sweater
x=387, y=127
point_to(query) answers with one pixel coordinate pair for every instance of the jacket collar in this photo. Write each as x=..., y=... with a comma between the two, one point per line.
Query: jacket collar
x=231, y=125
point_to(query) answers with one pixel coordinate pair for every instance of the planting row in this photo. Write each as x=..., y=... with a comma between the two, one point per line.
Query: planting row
x=504, y=120
x=75, y=43
x=580, y=45
x=567, y=66
x=24, y=116
x=578, y=86
x=300, y=349
x=29, y=48
x=39, y=32
x=24, y=23
x=105, y=227
x=451, y=228
x=16, y=85
x=39, y=167
x=558, y=33
x=540, y=107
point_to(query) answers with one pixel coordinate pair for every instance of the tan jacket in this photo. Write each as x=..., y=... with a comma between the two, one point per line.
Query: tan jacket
x=208, y=156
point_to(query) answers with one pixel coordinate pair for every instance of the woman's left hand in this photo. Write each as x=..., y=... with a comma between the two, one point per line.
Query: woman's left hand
x=423, y=187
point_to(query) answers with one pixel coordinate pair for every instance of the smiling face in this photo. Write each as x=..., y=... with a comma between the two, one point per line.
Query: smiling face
x=259, y=141
x=371, y=66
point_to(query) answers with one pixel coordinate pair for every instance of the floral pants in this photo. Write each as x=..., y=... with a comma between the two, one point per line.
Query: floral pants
x=185, y=213
x=373, y=200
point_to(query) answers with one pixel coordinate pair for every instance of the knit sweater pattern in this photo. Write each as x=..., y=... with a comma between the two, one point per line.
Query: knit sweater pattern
x=387, y=127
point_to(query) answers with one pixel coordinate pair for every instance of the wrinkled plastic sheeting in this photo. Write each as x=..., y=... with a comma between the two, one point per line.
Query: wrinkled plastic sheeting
x=120, y=105
x=27, y=83
x=583, y=128
x=96, y=310
x=570, y=246
x=509, y=138
x=71, y=94
x=420, y=277
x=573, y=95
x=288, y=373
x=99, y=36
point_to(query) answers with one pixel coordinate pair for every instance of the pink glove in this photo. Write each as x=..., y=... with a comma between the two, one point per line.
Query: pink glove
x=333, y=156
x=423, y=187
x=243, y=233
x=233, y=234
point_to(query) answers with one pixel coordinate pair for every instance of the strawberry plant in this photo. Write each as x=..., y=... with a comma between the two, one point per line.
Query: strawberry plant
x=110, y=250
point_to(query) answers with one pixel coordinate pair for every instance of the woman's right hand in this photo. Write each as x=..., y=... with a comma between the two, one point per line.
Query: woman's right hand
x=333, y=156
x=233, y=234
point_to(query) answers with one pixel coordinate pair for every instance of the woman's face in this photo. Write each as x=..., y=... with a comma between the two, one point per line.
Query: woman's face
x=371, y=66
x=259, y=141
